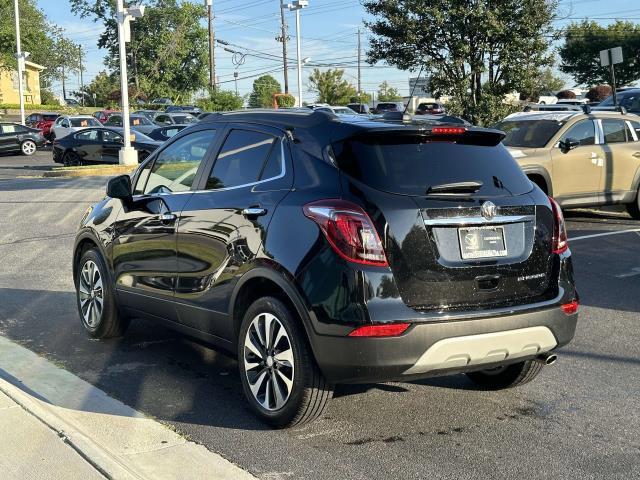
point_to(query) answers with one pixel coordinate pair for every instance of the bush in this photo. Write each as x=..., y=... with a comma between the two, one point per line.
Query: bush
x=489, y=110
x=286, y=101
x=221, y=101
x=566, y=95
x=598, y=93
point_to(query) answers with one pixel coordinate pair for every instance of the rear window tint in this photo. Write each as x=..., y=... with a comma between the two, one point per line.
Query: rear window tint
x=409, y=165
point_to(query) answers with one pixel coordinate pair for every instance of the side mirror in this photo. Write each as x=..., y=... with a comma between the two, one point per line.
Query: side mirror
x=120, y=187
x=568, y=145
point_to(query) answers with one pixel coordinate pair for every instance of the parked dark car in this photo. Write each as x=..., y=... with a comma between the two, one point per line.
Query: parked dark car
x=15, y=137
x=42, y=122
x=628, y=98
x=192, y=109
x=430, y=108
x=361, y=108
x=162, y=101
x=203, y=115
x=99, y=145
x=322, y=249
x=139, y=123
x=150, y=114
x=163, y=134
x=384, y=107
x=175, y=119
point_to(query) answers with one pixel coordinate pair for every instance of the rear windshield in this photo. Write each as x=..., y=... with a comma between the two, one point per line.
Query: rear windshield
x=85, y=122
x=529, y=133
x=387, y=106
x=50, y=118
x=185, y=119
x=629, y=100
x=409, y=165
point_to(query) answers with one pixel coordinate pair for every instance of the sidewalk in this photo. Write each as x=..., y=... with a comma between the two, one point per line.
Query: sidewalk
x=55, y=425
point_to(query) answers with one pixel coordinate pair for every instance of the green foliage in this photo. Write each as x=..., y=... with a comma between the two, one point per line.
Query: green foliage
x=387, y=93
x=263, y=89
x=331, y=87
x=581, y=52
x=286, y=101
x=48, y=98
x=487, y=112
x=105, y=87
x=364, y=98
x=468, y=49
x=543, y=83
x=221, y=101
x=598, y=93
x=168, y=49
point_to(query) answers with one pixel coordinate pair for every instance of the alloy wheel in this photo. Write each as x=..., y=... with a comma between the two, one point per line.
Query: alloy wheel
x=91, y=294
x=28, y=147
x=268, y=361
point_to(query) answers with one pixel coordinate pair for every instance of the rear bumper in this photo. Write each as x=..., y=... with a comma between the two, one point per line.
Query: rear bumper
x=429, y=349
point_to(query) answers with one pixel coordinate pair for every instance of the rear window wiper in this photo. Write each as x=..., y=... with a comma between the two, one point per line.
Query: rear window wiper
x=457, y=188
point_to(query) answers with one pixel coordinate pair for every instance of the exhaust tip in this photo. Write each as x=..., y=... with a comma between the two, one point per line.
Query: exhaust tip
x=547, y=358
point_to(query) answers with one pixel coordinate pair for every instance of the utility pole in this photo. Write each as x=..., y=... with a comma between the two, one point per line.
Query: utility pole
x=212, y=40
x=20, y=57
x=359, y=61
x=81, y=80
x=235, y=77
x=64, y=90
x=296, y=6
x=283, y=38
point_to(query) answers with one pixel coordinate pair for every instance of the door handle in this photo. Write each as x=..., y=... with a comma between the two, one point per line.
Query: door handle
x=166, y=217
x=637, y=154
x=254, y=212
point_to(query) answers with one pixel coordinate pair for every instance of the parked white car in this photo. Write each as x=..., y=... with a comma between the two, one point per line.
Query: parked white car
x=547, y=99
x=66, y=124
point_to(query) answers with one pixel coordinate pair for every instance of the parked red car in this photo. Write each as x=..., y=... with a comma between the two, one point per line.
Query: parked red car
x=103, y=115
x=43, y=122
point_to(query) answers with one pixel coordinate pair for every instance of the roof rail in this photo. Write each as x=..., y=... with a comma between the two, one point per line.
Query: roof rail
x=586, y=109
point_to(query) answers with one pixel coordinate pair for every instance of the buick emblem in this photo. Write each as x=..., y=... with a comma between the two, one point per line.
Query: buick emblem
x=489, y=210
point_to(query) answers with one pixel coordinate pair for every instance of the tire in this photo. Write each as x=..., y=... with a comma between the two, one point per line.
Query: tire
x=508, y=376
x=634, y=207
x=28, y=147
x=95, y=298
x=269, y=371
x=71, y=159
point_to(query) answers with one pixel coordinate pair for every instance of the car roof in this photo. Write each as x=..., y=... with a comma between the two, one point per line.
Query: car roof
x=78, y=116
x=562, y=116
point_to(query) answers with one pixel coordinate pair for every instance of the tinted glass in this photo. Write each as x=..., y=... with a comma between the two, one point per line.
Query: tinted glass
x=139, y=120
x=583, y=132
x=185, y=119
x=175, y=168
x=528, y=133
x=629, y=100
x=409, y=165
x=241, y=159
x=85, y=122
x=636, y=127
x=170, y=132
x=88, y=136
x=114, y=120
x=112, y=137
x=142, y=179
x=49, y=118
x=614, y=131
x=274, y=165
x=163, y=119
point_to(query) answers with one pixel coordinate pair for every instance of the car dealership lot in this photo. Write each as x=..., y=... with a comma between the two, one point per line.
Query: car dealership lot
x=577, y=419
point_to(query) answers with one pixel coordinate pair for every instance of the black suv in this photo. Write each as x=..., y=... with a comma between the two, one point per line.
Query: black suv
x=322, y=249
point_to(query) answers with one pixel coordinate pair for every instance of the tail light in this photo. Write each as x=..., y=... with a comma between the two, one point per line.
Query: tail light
x=380, y=330
x=349, y=231
x=559, y=243
x=570, y=308
x=448, y=130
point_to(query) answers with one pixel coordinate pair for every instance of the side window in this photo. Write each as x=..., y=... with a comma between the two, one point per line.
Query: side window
x=111, y=137
x=614, y=131
x=170, y=132
x=633, y=127
x=65, y=123
x=88, y=135
x=583, y=132
x=176, y=166
x=142, y=179
x=241, y=159
x=8, y=128
x=163, y=119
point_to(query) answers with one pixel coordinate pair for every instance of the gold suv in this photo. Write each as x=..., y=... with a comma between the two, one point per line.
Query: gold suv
x=581, y=159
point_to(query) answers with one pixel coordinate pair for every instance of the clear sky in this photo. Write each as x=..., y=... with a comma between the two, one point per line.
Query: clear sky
x=329, y=33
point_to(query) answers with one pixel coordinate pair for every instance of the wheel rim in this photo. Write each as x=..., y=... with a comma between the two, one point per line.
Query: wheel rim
x=91, y=294
x=268, y=361
x=28, y=148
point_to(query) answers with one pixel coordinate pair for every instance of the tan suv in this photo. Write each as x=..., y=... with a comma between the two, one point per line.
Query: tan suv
x=581, y=159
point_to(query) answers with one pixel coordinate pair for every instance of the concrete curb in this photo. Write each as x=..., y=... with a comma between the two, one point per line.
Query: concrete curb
x=90, y=172
x=120, y=442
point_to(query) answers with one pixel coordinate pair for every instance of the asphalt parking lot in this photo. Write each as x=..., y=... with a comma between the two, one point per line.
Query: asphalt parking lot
x=577, y=420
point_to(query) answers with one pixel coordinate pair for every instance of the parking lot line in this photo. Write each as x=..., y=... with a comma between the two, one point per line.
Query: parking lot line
x=617, y=232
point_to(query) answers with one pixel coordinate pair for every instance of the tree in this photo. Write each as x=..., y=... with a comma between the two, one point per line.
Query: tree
x=286, y=101
x=468, y=49
x=387, y=93
x=105, y=87
x=331, y=87
x=543, y=83
x=566, y=95
x=364, y=98
x=598, y=93
x=263, y=89
x=583, y=42
x=168, y=52
x=65, y=59
x=221, y=101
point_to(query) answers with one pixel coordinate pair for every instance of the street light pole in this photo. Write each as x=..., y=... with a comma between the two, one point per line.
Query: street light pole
x=20, y=57
x=298, y=5
x=128, y=155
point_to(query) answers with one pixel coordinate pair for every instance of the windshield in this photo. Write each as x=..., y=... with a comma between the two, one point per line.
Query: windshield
x=528, y=133
x=410, y=164
x=185, y=119
x=629, y=100
x=85, y=122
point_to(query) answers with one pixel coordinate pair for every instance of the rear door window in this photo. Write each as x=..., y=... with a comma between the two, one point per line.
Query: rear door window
x=241, y=159
x=410, y=164
x=615, y=131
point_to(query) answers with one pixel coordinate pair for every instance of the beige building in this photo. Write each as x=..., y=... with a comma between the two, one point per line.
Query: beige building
x=9, y=92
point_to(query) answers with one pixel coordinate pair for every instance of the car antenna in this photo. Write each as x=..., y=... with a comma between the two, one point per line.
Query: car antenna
x=404, y=112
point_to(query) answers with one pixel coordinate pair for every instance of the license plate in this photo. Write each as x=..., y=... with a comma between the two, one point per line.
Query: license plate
x=482, y=242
